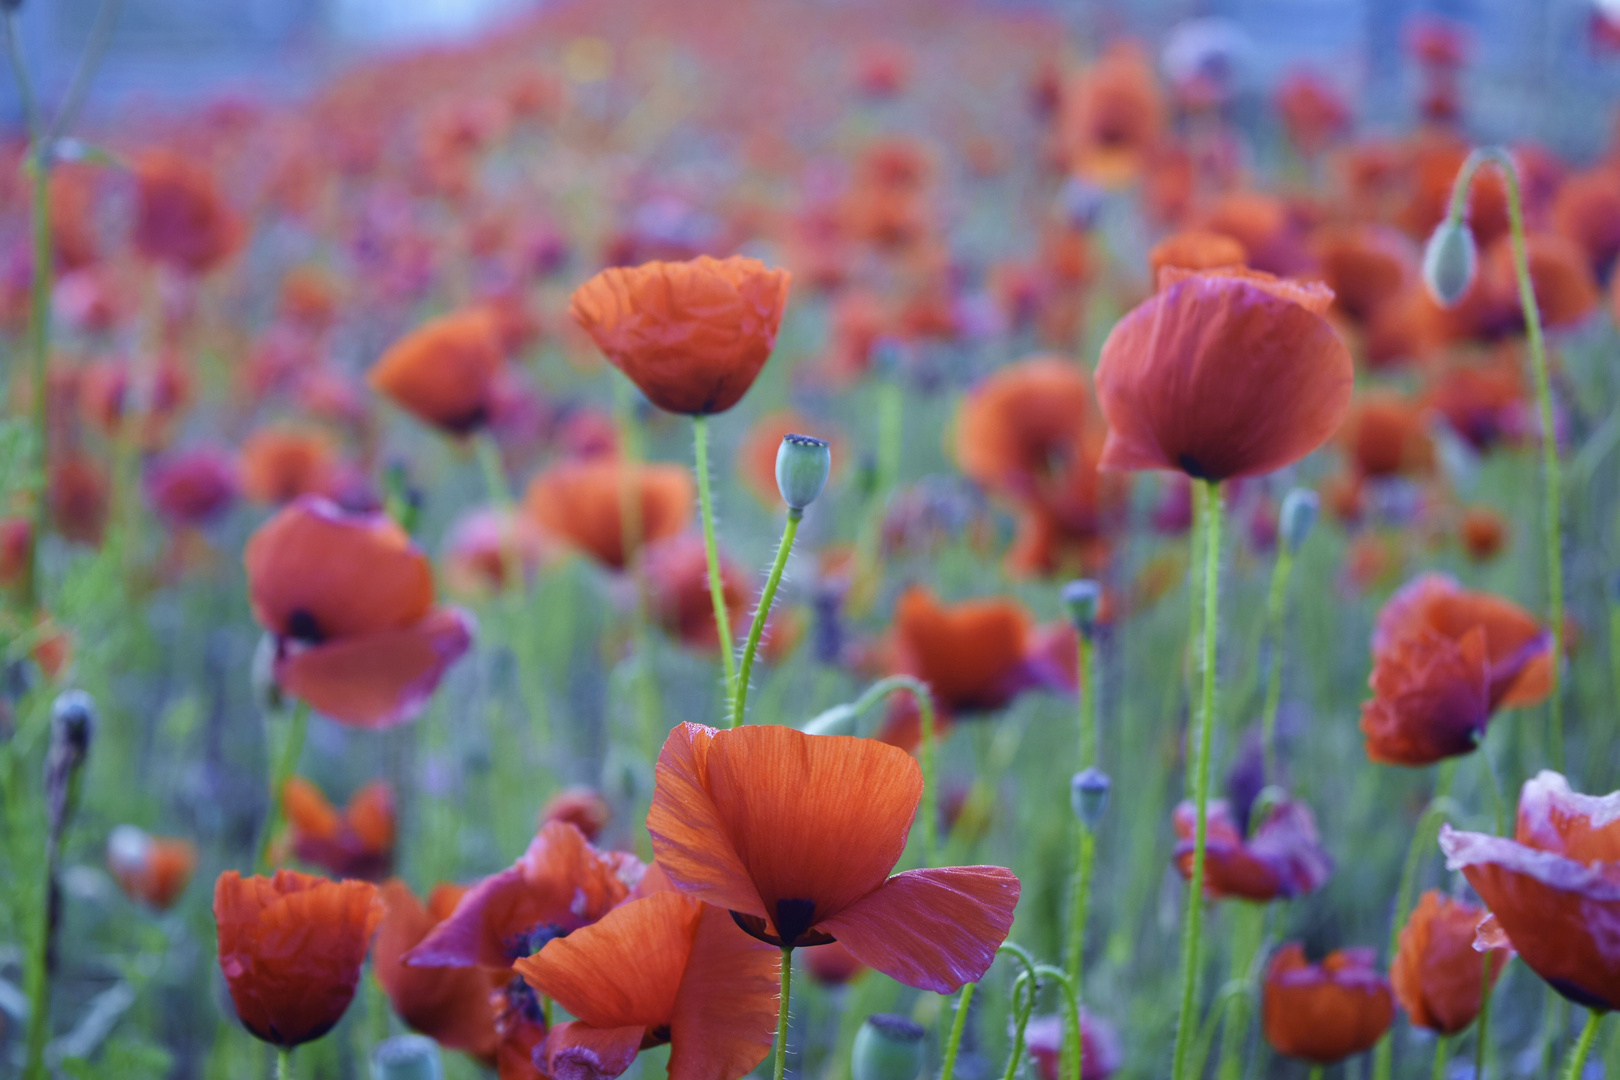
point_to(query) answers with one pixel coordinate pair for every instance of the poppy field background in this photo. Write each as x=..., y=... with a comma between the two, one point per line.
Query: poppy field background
x=372, y=532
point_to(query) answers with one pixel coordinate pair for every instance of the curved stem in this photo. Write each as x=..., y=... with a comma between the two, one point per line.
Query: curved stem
x=290, y=750
x=1193, y=922
x=1076, y=1039
x=1023, y=1007
x=1576, y=1063
x=717, y=592
x=954, y=1043
x=739, y=700
x=1274, y=614
x=782, y=1009
x=1440, y=1046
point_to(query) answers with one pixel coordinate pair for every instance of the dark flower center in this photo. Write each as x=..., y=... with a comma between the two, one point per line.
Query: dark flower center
x=302, y=626
x=794, y=918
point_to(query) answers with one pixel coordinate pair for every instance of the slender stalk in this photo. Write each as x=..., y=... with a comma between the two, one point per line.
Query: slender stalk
x=1073, y=1018
x=290, y=750
x=1483, y=1030
x=739, y=701
x=1248, y=937
x=1275, y=601
x=1317, y=1071
x=782, y=1005
x=1080, y=890
x=886, y=476
x=953, y=1043
x=1438, y=1072
x=717, y=592
x=1576, y=1063
x=1193, y=923
x=283, y=1063
x=1022, y=1008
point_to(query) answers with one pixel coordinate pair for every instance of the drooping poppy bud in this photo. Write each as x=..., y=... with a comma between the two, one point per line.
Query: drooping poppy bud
x=802, y=465
x=888, y=1047
x=1450, y=262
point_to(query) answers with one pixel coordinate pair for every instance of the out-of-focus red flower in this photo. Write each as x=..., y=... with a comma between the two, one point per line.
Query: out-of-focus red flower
x=1324, y=1013
x=1312, y=110
x=582, y=503
x=1113, y=117
x=181, y=218
x=75, y=239
x=486, y=545
x=79, y=498
x=1436, y=972
x=975, y=656
x=833, y=965
x=280, y=464
x=1586, y=210
x=356, y=842
x=1099, y=1047
x=1283, y=858
x=1272, y=240
x=1560, y=275
x=450, y=1005
x=443, y=372
x=1484, y=403
x=108, y=391
x=1553, y=890
x=1386, y=435
x=154, y=870
x=309, y=298
x=677, y=572
x=16, y=534
x=291, y=948
x=882, y=71
x=1196, y=249
x=193, y=488
x=1366, y=266
x=582, y=807
x=1484, y=533
x=1435, y=41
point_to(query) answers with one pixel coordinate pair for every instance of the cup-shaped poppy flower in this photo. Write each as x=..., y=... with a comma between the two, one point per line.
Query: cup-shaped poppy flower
x=692, y=335
x=1324, y=1012
x=582, y=503
x=796, y=834
x=1553, y=890
x=1387, y=435
x=1022, y=424
x=1223, y=374
x=152, y=869
x=355, y=842
x=444, y=371
x=1444, y=659
x=1282, y=859
x=1485, y=405
x=662, y=968
x=181, y=217
x=1113, y=116
x=279, y=464
x=976, y=656
x=450, y=1005
x=1436, y=971
x=349, y=599
x=291, y=948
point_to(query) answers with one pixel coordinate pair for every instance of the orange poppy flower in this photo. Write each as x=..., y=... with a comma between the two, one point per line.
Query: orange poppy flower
x=677, y=573
x=1324, y=1013
x=357, y=842
x=1366, y=266
x=1560, y=273
x=1264, y=225
x=756, y=457
x=1195, y=249
x=975, y=656
x=1436, y=971
x=1553, y=890
x=662, y=968
x=1223, y=374
x=1587, y=211
x=692, y=335
x=180, y=214
x=450, y=1005
x=1444, y=659
x=1485, y=405
x=1484, y=533
x=1022, y=424
x=280, y=464
x=1282, y=858
x=1386, y=435
x=796, y=834
x=291, y=948
x=193, y=488
x=1113, y=116
x=444, y=371
x=580, y=502
x=582, y=807
x=1313, y=112
x=154, y=870
x=349, y=599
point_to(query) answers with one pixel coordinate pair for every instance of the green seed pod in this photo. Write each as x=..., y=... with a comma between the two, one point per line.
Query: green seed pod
x=1082, y=599
x=1088, y=796
x=406, y=1057
x=1299, y=511
x=1449, y=262
x=802, y=465
x=888, y=1047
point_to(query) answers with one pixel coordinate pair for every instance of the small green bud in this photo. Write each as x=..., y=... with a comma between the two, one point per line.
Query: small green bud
x=1449, y=262
x=802, y=465
x=1299, y=511
x=406, y=1057
x=888, y=1047
x=1088, y=795
x=1082, y=599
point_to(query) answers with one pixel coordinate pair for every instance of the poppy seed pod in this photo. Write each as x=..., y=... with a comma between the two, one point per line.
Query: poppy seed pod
x=1299, y=512
x=1082, y=599
x=802, y=465
x=888, y=1047
x=407, y=1057
x=1449, y=262
x=73, y=722
x=1088, y=795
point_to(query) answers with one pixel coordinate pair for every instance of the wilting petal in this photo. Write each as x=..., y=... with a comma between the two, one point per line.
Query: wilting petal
x=1431, y=699
x=725, y=1011
x=932, y=929
x=577, y=1051
x=381, y=679
x=1553, y=818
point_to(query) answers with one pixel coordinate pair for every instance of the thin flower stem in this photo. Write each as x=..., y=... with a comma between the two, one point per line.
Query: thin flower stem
x=1275, y=605
x=1249, y=936
x=953, y=1044
x=1023, y=1006
x=783, y=550
x=717, y=592
x=1576, y=1064
x=925, y=747
x=1317, y=1072
x=1483, y=1030
x=290, y=750
x=1072, y=1021
x=283, y=1063
x=782, y=1007
x=1552, y=528
x=1080, y=890
x=1193, y=923
x=1440, y=1046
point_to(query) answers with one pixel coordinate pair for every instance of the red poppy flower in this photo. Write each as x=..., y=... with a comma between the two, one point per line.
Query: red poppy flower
x=450, y=1005
x=1587, y=211
x=309, y=297
x=1313, y=111
x=152, y=869
x=180, y=215
x=581, y=502
x=194, y=488
x=443, y=372
x=796, y=835
x=280, y=464
x=105, y=397
x=16, y=535
x=1444, y=659
x=1484, y=533
x=478, y=554
x=291, y=947
x=1553, y=890
x=1366, y=266
x=1436, y=971
x=1560, y=275
x=692, y=335
x=350, y=601
x=975, y=656
x=1195, y=249
x=662, y=968
x=357, y=842
x=79, y=498
x=1223, y=374
x=677, y=572
x=1022, y=424
x=1324, y=1013
x=1113, y=116
x=1266, y=226
x=1387, y=435
x=1484, y=404
x=1283, y=857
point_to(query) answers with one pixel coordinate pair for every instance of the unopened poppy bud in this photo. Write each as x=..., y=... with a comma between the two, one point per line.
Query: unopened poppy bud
x=262, y=675
x=406, y=1057
x=802, y=465
x=1299, y=511
x=73, y=728
x=73, y=722
x=1449, y=262
x=888, y=1047
x=1088, y=795
x=1082, y=599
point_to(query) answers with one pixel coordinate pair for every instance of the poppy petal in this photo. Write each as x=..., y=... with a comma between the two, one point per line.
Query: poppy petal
x=381, y=679
x=577, y=1051
x=725, y=1011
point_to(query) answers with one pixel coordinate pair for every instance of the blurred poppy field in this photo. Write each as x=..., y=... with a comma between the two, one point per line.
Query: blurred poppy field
x=845, y=541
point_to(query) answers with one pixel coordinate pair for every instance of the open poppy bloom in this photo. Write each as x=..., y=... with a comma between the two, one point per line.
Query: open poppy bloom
x=1436, y=970
x=662, y=968
x=677, y=573
x=152, y=869
x=180, y=215
x=1553, y=890
x=450, y=1005
x=1282, y=859
x=1113, y=116
x=1386, y=435
x=349, y=599
x=357, y=842
x=1445, y=659
x=1222, y=374
x=582, y=503
x=1365, y=265
x=796, y=834
x=692, y=335
x=291, y=948
x=443, y=372
x=1325, y=1013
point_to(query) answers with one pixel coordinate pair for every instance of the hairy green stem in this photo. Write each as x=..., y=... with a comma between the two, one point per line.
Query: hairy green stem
x=953, y=1044
x=782, y=1008
x=1247, y=938
x=285, y=764
x=739, y=701
x=1072, y=1020
x=717, y=592
x=1024, y=991
x=1275, y=602
x=1483, y=1030
x=1576, y=1063
x=1080, y=889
